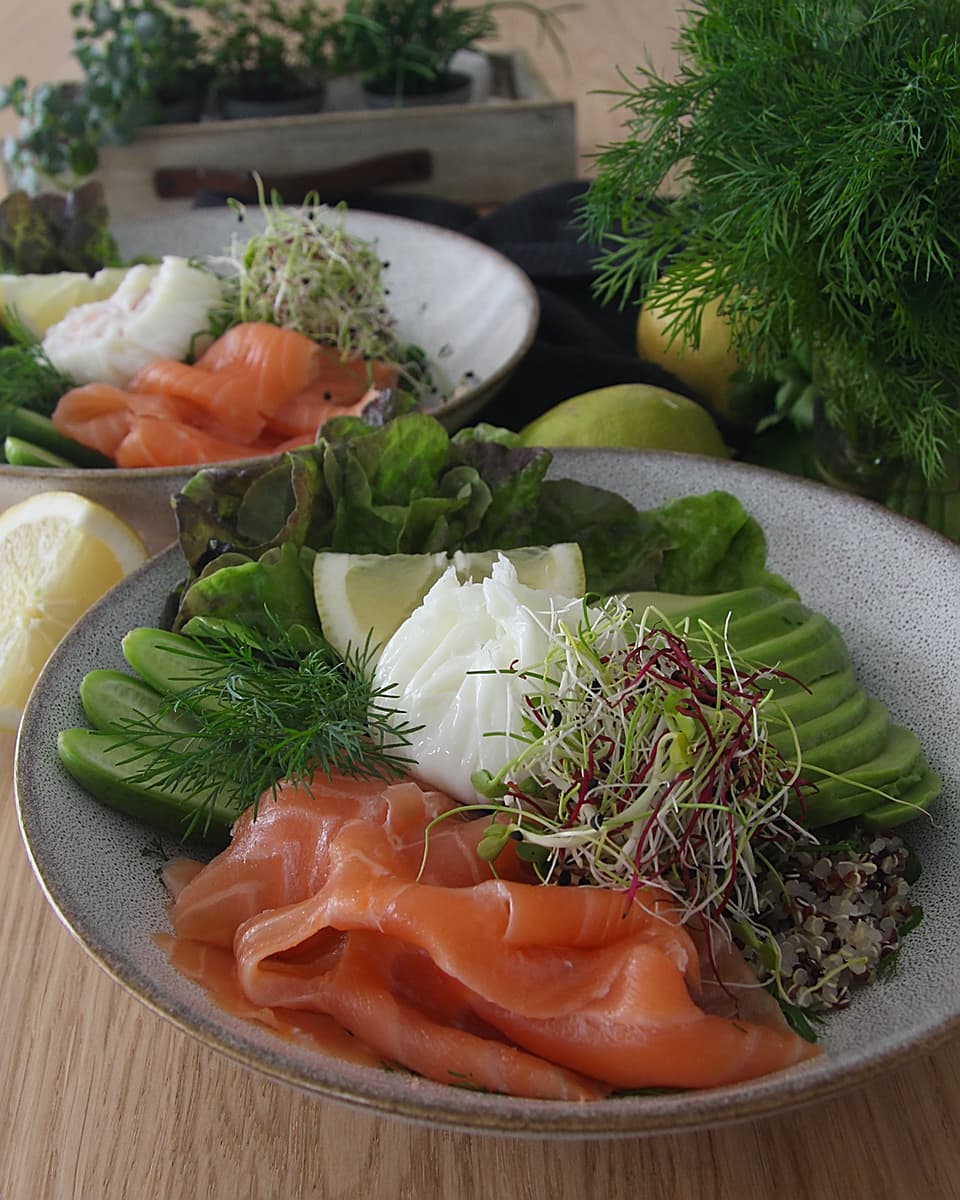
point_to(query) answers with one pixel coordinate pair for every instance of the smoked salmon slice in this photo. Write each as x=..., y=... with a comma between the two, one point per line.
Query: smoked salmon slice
x=100, y=415
x=231, y=405
x=307, y=411
x=368, y=904
x=258, y=389
x=288, y=360
x=153, y=442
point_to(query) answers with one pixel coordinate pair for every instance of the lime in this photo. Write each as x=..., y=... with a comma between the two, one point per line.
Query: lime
x=59, y=552
x=633, y=415
x=361, y=596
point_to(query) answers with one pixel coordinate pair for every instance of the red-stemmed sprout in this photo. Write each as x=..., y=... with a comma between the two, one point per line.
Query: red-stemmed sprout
x=647, y=761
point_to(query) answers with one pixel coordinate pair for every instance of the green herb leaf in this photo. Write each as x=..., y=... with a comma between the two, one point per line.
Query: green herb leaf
x=268, y=711
x=809, y=153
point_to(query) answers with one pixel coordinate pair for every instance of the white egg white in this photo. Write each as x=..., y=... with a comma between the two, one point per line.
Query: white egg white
x=456, y=669
x=155, y=313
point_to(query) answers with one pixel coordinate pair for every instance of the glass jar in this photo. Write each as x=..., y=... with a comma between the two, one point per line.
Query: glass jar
x=856, y=461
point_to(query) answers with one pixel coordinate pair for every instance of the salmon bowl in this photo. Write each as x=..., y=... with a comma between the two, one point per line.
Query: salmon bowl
x=471, y=312
x=91, y=864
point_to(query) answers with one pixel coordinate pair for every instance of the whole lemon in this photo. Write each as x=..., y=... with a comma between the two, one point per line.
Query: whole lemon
x=634, y=415
x=706, y=368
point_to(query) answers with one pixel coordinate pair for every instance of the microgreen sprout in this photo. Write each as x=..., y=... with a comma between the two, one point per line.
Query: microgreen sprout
x=647, y=762
x=305, y=272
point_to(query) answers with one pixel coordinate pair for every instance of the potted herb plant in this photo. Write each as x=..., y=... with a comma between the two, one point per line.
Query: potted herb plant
x=142, y=58
x=269, y=57
x=142, y=63
x=808, y=156
x=403, y=49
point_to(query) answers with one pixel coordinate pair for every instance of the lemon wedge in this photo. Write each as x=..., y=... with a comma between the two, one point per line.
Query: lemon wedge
x=59, y=552
x=40, y=301
x=361, y=596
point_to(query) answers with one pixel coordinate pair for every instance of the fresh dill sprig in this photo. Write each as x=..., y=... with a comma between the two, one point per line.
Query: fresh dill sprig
x=265, y=713
x=810, y=156
x=28, y=379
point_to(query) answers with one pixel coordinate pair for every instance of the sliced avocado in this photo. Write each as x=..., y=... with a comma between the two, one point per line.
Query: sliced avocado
x=824, y=693
x=801, y=672
x=784, y=614
x=911, y=803
x=827, y=692
x=859, y=744
x=895, y=770
x=838, y=727
x=713, y=609
x=794, y=644
x=835, y=718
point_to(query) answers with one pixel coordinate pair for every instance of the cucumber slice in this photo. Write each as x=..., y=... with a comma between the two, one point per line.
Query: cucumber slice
x=113, y=700
x=111, y=768
x=40, y=431
x=169, y=662
x=19, y=453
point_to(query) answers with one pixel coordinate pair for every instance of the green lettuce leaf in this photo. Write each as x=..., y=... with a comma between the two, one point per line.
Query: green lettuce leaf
x=272, y=595
x=408, y=487
x=713, y=545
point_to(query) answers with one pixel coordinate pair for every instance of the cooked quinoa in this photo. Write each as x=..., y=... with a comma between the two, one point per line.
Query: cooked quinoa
x=837, y=914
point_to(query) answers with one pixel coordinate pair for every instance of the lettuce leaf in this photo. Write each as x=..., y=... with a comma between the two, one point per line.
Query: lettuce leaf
x=56, y=232
x=408, y=487
x=713, y=545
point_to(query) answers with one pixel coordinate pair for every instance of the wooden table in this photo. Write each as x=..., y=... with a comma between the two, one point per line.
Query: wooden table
x=100, y=1098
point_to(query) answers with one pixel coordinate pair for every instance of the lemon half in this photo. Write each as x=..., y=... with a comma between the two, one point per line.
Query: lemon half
x=361, y=596
x=59, y=552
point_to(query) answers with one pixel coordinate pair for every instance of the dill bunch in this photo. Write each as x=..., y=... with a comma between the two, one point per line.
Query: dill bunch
x=260, y=713
x=803, y=169
x=28, y=379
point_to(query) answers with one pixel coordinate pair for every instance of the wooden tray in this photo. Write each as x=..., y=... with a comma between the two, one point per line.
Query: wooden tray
x=484, y=153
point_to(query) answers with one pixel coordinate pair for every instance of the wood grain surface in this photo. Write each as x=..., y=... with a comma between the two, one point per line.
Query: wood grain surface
x=101, y=1098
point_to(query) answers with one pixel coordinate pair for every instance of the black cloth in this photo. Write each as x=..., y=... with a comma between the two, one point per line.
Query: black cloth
x=580, y=344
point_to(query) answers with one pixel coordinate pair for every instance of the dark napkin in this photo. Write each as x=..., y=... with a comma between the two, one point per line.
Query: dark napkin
x=580, y=344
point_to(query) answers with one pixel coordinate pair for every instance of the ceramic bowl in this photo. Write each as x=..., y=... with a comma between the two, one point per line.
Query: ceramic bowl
x=472, y=311
x=891, y=587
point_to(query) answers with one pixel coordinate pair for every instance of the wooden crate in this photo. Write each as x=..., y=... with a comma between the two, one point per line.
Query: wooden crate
x=485, y=153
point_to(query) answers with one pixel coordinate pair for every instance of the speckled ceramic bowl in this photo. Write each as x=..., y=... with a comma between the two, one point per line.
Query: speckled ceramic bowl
x=468, y=307
x=889, y=584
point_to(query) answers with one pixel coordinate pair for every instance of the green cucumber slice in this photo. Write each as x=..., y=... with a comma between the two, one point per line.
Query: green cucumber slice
x=110, y=767
x=19, y=453
x=114, y=700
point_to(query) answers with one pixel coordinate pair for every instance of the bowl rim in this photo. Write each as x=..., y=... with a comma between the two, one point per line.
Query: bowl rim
x=450, y=410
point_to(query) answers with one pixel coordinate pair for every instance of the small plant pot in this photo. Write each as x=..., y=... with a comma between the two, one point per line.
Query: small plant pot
x=182, y=111
x=187, y=102
x=239, y=108
x=452, y=88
